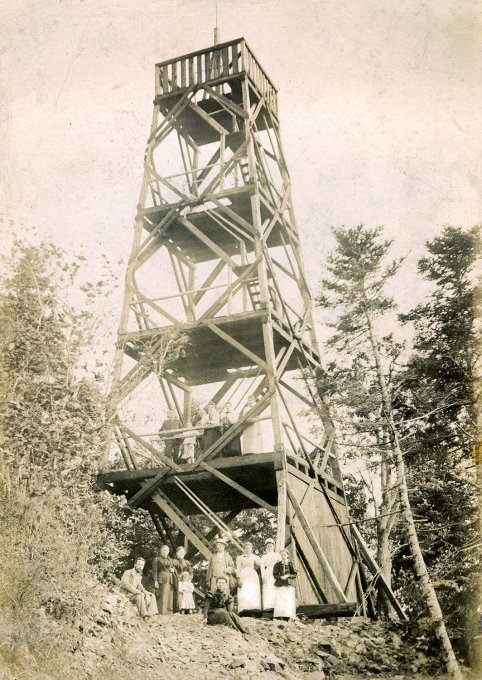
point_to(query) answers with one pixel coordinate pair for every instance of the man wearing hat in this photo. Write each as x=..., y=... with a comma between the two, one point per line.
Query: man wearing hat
x=220, y=564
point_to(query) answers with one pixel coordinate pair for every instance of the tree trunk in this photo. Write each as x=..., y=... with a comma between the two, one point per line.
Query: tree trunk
x=384, y=525
x=477, y=644
x=428, y=590
x=387, y=518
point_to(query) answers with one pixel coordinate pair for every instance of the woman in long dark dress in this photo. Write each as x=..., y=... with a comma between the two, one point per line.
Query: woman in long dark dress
x=180, y=565
x=163, y=575
x=218, y=607
x=228, y=418
x=212, y=421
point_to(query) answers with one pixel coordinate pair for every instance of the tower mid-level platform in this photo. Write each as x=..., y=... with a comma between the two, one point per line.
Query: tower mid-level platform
x=209, y=355
x=256, y=472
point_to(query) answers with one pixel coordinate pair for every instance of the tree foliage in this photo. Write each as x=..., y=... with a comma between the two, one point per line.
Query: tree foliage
x=353, y=291
x=428, y=403
x=437, y=400
x=58, y=534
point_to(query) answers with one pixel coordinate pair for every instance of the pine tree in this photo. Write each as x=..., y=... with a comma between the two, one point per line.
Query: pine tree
x=351, y=381
x=438, y=397
x=355, y=291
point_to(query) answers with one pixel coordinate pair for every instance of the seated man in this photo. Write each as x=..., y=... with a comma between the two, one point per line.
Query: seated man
x=218, y=607
x=131, y=585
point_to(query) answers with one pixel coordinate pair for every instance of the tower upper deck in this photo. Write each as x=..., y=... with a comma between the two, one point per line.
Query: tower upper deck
x=227, y=62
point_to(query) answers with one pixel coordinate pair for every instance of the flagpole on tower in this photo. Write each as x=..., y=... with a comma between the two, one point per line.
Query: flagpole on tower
x=216, y=28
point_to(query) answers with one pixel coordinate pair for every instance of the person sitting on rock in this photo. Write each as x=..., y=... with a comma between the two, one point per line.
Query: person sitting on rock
x=218, y=607
x=131, y=585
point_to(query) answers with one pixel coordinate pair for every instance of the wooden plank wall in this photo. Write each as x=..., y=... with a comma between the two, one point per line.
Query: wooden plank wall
x=318, y=514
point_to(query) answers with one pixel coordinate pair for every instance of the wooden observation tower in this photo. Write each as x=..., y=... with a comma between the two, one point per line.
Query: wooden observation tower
x=216, y=267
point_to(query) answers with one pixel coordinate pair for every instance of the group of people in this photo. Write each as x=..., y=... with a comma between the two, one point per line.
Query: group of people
x=182, y=443
x=173, y=586
x=263, y=585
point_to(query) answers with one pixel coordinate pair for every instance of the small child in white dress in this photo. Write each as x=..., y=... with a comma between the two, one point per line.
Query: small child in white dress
x=186, y=589
x=188, y=446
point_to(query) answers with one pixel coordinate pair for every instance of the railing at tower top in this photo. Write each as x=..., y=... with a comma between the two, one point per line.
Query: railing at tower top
x=219, y=62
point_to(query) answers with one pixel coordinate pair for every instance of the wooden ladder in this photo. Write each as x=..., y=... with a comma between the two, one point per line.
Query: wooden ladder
x=254, y=293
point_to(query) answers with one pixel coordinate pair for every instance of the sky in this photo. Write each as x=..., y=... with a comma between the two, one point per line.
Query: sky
x=379, y=106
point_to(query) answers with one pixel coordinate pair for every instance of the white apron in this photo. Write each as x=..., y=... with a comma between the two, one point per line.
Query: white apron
x=249, y=594
x=268, y=560
x=285, y=602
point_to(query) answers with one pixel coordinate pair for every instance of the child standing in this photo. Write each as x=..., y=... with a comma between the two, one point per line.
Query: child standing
x=188, y=446
x=186, y=589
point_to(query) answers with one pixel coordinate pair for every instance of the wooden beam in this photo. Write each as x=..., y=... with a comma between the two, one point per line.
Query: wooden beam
x=225, y=171
x=351, y=577
x=376, y=572
x=317, y=586
x=188, y=470
x=246, y=226
x=281, y=484
x=209, y=281
x=224, y=389
x=329, y=573
x=297, y=432
x=328, y=611
x=213, y=532
x=241, y=489
x=230, y=290
x=170, y=464
x=177, y=518
x=237, y=345
x=208, y=119
x=225, y=102
x=207, y=241
x=147, y=489
x=160, y=527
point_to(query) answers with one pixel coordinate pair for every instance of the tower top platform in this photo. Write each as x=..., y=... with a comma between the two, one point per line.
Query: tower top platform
x=228, y=61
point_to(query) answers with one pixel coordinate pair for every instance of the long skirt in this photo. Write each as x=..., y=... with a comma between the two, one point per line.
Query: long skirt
x=249, y=594
x=221, y=617
x=211, y=435
x=285, y=602
x=165, y=598
x=269, y=593
x=253, y=439
x=233, y=448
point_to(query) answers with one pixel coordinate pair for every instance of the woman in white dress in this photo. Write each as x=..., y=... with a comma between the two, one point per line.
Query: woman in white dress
x=253, y=434
x=285, y=599
x=268, y=560
x=249, y=591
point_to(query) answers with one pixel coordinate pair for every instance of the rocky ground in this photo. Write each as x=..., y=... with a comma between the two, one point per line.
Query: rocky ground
x=116, y=644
